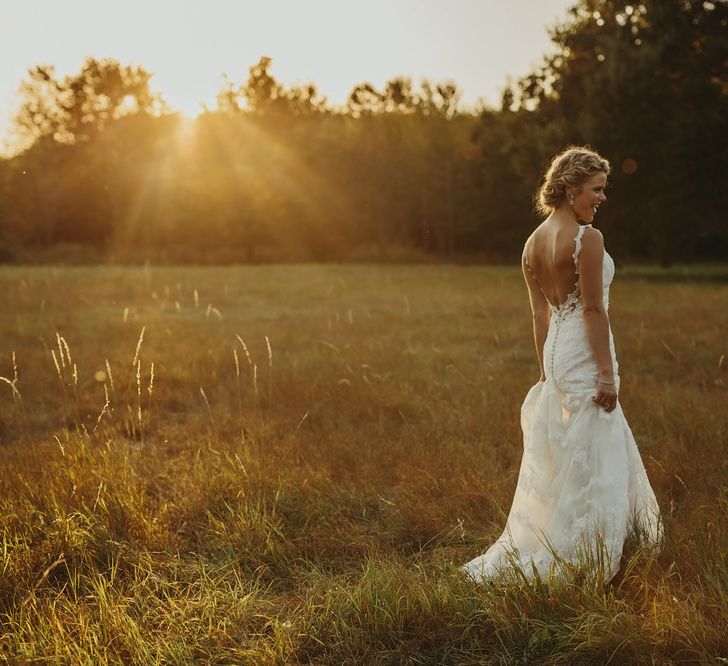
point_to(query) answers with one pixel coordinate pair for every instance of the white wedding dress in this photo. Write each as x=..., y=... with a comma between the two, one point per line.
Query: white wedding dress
x=582, y=486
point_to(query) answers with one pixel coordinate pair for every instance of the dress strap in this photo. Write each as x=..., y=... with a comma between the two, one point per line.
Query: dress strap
x=575, y=256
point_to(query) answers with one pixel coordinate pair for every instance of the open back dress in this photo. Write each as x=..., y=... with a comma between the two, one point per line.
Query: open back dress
x=582, y=486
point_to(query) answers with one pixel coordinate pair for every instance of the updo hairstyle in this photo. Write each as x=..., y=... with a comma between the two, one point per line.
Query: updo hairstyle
x=570, y=168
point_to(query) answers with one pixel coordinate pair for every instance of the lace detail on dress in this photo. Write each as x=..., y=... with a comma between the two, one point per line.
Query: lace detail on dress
x=572, y=302
x=574, y=298
x=575, y=256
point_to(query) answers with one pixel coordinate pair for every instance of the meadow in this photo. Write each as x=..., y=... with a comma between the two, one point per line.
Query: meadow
x=286, y=464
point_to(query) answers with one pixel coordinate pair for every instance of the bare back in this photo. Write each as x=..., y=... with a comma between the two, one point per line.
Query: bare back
x=549, y=256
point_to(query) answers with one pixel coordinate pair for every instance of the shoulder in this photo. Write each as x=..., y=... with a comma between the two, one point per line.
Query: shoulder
x=592, y=239
x=527, y=244
x=591, y=254
x=533, y=237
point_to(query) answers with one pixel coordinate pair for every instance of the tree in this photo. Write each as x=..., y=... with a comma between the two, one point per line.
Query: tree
x=264, y=95
x=80, y=105
x=57, y=120
x=645, y=84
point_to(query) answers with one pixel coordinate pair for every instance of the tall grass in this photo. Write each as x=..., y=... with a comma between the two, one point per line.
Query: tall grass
x=294, y=474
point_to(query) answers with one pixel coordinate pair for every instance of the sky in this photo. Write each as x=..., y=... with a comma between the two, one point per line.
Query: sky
x=336, y=44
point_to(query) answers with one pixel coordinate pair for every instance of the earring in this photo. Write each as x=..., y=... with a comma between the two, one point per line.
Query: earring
x=571, y=199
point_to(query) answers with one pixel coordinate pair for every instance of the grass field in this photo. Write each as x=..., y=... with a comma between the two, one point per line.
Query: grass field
x=287, y=464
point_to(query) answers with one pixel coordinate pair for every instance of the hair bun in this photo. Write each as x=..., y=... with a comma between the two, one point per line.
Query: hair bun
x=570, y=168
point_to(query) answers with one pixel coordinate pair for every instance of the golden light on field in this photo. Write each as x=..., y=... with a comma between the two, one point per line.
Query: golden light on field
x=358, y=465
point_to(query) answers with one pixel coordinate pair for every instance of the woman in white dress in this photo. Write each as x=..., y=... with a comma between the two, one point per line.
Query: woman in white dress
x=582, y=486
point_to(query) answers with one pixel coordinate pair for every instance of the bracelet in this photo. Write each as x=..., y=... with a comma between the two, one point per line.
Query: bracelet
x=602, y=381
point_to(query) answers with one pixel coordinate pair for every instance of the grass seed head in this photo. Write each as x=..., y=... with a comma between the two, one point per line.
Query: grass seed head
x=111, y=376
x=139, y=346
x=245, y=349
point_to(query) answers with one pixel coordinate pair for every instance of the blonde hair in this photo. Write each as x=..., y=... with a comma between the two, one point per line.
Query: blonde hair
x=570, y=168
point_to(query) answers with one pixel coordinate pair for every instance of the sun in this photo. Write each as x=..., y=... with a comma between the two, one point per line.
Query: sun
x=186, y=103
x=183, y=91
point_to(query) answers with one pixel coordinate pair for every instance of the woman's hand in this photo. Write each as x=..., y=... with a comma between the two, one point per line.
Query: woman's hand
x=606, y=396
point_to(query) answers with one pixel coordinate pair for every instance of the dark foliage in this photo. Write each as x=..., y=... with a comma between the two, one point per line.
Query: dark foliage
x=278, y=173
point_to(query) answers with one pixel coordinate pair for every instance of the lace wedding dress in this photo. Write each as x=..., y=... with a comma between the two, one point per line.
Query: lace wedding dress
x=582, y=486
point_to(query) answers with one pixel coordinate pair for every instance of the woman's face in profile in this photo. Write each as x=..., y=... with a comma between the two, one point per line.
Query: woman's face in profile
x=590, y=196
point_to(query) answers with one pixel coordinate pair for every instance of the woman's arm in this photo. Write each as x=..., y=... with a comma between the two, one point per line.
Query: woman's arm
x=540, y=310
x=596, y=318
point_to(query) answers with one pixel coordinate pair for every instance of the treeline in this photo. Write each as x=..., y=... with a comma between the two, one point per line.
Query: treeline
x=277, y=173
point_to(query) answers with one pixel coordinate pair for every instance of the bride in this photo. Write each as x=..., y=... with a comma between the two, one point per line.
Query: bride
x=582, y=486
